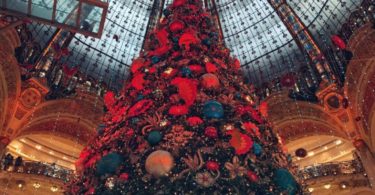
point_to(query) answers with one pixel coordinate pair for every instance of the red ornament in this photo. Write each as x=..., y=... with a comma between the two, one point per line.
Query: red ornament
x=187, y=89
x=139, y=108
x=236, y=65
x=124, y=177
x=212, y=166
x=188, y=38
x=69, y=71
x=136, y=65
x=211, y=68
x=252, y=176
x=176, y=26
x=109, y=99
x=196, y=68
x=338, y=41
x=178, y=110
x=240, y=142
x=210, y=81
x=138, y=81
x=288, y=80
x=263, y=109
x=177, y=3
x=251, y=128
x=211, y=132
x=194, y=121
x=129, y=133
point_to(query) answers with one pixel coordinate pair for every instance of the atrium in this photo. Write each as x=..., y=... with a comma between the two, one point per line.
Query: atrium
x=113, y=96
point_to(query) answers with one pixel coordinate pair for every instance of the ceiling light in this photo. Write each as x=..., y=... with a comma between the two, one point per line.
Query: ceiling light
x=311, y=153
x=38, y=147
x=311, y=189
x=23, y=140
x=51, y=152
x=325, y=148
x=64, y=157
x=54, y=189
x=327, y=186
x=36, y=185
x=338, y=142
x=20, y=185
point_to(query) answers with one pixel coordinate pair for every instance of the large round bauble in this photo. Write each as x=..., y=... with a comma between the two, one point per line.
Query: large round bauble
x=159, y=163
x=285, y=181
x=109, y=163
x=301, y=152
x=210, y=81
x=154, y=137
x=213, y=110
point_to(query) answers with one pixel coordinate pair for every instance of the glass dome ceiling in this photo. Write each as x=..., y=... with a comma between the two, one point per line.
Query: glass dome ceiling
x=251, y=28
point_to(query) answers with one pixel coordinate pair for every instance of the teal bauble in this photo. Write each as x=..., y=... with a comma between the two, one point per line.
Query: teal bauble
x=285, y=181
x=109, y=164
x=154, y=137
x=213, y=110
x=257, y=149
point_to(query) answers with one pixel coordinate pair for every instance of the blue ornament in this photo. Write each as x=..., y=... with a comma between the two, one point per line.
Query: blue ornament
x=139, y=97
x=154, y=137
x=109, y=163
x=155, y=59
x=213, y=110
x=100, y=129
x=285, y=181
x=135, y=120
x=175, y=40
x=257, y=149
x=206, y=42
x=166, y=12
x=186, y=72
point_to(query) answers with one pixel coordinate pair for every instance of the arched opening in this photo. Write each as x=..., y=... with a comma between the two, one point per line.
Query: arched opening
x=319, y=149
x=46, y=148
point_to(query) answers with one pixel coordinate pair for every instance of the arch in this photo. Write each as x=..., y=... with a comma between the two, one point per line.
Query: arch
x=10, y=85
x=294, y=119
x=360, y=82
x=75, y=118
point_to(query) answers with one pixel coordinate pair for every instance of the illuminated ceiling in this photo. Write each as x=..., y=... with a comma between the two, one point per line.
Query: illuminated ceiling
x=252, y=30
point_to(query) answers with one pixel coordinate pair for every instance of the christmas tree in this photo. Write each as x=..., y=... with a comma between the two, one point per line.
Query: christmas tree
x=185, y=122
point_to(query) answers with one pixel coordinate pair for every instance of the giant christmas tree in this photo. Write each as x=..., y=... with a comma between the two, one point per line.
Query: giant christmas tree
x=185, y=122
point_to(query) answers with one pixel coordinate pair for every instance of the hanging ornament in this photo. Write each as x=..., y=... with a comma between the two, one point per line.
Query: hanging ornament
x=240, y=142
x=213, y=110
x=109, y=163
x=187, y=39
x=154, y=137
x=212, y=166
x=124, y=177
x=159, y=163
x=210, y=67
x=257, y=149
x=176, y=26
x=337, y=40
x=288, y=80
x=285, y=181
x=252, y=176
x=301, y=152
x=210, y=81
x=211, y=132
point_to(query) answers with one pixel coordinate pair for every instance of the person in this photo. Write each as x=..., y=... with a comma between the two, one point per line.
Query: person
x=18, y=162
x=8, y=161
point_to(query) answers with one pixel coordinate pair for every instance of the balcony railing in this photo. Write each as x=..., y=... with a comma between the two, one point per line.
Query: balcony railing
x=331, y=169
x=42, y=169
